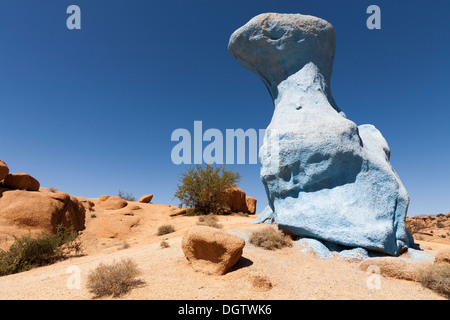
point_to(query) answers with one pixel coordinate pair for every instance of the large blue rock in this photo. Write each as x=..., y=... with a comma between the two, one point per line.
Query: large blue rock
x=325, y=177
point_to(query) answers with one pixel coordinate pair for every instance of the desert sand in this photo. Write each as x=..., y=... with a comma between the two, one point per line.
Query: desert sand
x=130, y=232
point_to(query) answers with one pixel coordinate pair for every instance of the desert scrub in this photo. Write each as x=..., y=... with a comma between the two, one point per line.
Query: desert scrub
x=164, y=244
x=437, y=278
x=165, y=229
x=114, y=279
x=126, y=196
x=415, y=226
x=270, y=239
x=202, y=188
x=29, y=252
x=209, y=221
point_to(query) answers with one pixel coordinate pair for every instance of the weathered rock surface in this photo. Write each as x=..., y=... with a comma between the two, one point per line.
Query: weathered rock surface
x=237, y=201
x=4, y=170
x=325, y=177
x=391, y=267
x=251, y=204
x=210, y=250
x=443, y=256
x=111, y=203
x=22, y=181
x=24, y=211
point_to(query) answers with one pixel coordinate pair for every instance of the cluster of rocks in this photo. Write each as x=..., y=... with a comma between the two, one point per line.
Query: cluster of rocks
x=24, y=206
x=237, y=201
x=22, y=181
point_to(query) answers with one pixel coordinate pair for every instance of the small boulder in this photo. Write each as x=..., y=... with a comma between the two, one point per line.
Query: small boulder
x=111, y=203
x=22, y=181
x=235, y=199
x=392, y=267
x=443, y=256
x=251, y=204
x=210, y=250
x=317, y=247
x=353, y=255
x=4, y=170
x=146, y=199
x=178, y=212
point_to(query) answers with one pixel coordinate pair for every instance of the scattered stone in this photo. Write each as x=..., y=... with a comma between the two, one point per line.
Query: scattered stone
x=21, y=181
x=146, y=199
x=211, y=250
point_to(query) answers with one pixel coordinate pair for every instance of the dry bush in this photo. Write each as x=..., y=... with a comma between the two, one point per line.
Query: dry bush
x=165, y=229
x=415, y=225
x=437, y=278
x=114, y=279
x=126, y=195
x=270, y=239
x=209, y=221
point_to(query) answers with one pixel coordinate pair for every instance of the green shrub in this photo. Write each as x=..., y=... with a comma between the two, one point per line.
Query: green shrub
x=440, y=225
x=114, y=279
x=202, y=187
x=165, y=229
x=437, y=278
x=29, y=252
x=270, y=239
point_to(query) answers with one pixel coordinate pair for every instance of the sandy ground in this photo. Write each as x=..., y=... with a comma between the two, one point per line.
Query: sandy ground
x=168, y=275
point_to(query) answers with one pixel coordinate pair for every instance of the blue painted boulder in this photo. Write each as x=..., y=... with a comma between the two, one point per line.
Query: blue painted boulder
x=325, y=177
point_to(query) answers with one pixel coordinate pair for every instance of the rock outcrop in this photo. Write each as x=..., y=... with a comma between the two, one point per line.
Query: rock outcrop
x=237, y=201
x=25, y=211
x=251, y=204
x=111, y=203
x=21, y=181
x=210, y=250
x=4, y=170
x=325, y=177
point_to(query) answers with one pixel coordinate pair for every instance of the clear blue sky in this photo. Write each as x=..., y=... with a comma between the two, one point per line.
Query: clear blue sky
x=90, y=111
